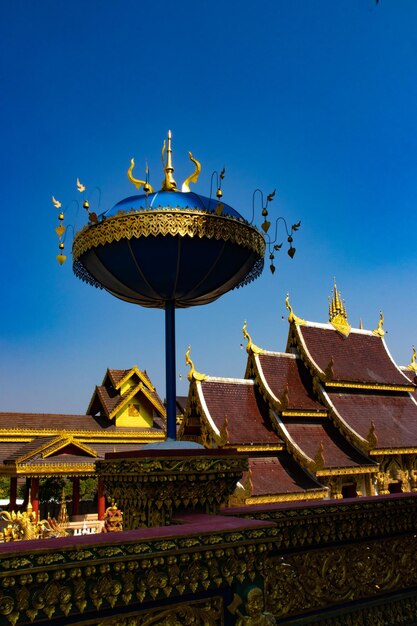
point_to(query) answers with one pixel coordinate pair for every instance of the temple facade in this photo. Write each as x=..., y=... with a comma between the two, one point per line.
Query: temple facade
x=124, y=413
x=331, y=417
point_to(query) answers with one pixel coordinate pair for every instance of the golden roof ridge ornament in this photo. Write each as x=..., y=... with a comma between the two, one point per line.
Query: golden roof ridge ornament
x=337, y=313
x=250, y=345
x=413, y=365
x=379, y=331
x=292, y=318
x=194, y=176
x=168, y=184
x=147, y=188
x=192, y=374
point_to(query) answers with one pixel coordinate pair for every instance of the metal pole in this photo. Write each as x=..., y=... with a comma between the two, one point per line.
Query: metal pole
x=170, y=375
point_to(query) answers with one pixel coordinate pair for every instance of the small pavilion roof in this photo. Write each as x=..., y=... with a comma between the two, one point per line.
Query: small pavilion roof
x=392, y=419
x=360, y=357
x=275, y=476
x=232, y=404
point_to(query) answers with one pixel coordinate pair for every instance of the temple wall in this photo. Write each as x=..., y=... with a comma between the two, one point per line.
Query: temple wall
x=330, y=563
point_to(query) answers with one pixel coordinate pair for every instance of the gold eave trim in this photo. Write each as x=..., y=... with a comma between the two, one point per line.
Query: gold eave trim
x=154, y=402
x=15, y=439
x=255, y=448
x=319, y=494
x=139, y=374
x=125, y=399
x=304, y=413
x=374, y=387
x=16, y=434
x=346, y=471
x=52, y=469
x=169, y=221
x=389, y=451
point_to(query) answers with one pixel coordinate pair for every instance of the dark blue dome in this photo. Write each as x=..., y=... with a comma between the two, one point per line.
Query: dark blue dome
x=171, y=200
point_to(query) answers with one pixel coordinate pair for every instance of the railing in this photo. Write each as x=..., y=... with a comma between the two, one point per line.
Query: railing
x=337, y=562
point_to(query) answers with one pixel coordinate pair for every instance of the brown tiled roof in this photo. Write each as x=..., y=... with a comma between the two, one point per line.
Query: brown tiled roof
x=412, y=377
x=280, y=370
x=18, y=423
x=279, y=475
x=395, y=417
x=116, y=375
x=360, y=357
x=109, y=398
x=50, y=421
x=28, y=447
x=337, y=452
x=236, y=400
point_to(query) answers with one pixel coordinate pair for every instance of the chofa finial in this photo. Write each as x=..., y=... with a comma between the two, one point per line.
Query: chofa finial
x=292, y=318
x=379, y=331
x=192, y=374
x=250, y=347
x=413, y=365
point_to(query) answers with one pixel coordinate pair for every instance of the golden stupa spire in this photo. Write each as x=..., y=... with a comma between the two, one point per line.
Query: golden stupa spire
x=337, y=312
x=168, y=184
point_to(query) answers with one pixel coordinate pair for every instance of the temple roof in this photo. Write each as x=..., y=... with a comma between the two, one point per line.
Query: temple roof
x=323, y=443
x=232, y=404
x=360, y=357
x=286, y=379
x=108, y=397
x=392, y=418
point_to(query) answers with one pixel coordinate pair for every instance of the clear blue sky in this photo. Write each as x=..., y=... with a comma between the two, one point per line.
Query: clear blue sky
x=317, y=99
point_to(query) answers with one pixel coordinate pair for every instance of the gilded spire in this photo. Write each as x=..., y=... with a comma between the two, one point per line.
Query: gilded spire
x=168, y=184
x=337, y=312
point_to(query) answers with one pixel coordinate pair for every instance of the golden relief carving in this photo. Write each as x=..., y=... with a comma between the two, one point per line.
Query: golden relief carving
x=207, y=612
x=254, y=607
x=338, y=575
x=349, y=385
x=182, y=222
x=177, y=483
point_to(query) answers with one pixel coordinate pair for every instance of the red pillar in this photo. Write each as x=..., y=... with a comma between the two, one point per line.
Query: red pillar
x=13, y=493
x=34, y=495
x=75, y=495
x=101, y=500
